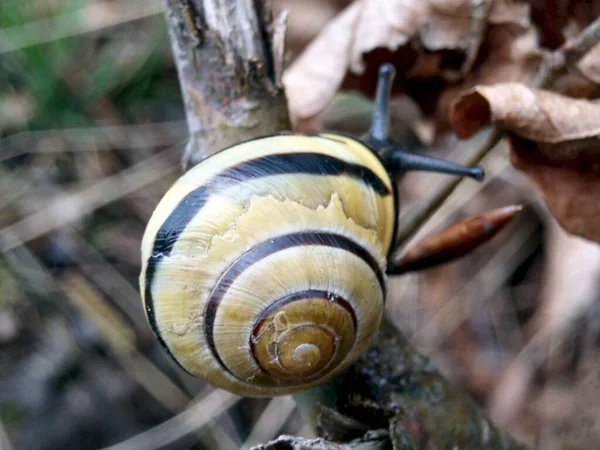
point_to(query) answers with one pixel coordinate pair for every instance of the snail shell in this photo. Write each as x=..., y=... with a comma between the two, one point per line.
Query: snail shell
x=264, y=265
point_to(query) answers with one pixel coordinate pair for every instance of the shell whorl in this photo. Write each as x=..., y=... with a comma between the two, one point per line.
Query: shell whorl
x=265, y=276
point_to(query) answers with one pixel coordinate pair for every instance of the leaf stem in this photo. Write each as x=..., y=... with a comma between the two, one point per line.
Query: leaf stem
x=567, y=55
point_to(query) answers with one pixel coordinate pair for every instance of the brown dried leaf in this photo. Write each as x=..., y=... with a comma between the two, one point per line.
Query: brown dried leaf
x=553, y=139
x=306, y=19
x=511, y=56
x=318, y=72
x=569, y=190
x=423, y=38
x=533, y=114
x=455, y=241
x=460, y=26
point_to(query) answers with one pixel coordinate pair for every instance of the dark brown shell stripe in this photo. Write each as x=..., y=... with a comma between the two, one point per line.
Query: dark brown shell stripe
x=268, y=165
x=274, y=245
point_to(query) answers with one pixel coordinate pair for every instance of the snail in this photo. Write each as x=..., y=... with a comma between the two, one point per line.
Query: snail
x=264, y=266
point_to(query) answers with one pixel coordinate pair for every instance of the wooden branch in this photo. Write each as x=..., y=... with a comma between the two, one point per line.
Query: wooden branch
x=229, y=57
x=567, y=56
x=398, y=394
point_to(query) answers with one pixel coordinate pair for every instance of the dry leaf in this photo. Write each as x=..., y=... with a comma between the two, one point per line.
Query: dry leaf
x=553, y=139
x=571, y=194
x=316, y=75
x=533, y=114
x=455, y=241
x=306, y=19
x=511, y=56
x=422, y=38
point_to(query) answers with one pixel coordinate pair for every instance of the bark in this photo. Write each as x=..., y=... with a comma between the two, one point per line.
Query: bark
x=229, y=56
x=398, y=392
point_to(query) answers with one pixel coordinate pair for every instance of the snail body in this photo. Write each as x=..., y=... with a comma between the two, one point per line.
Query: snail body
x=263, y=267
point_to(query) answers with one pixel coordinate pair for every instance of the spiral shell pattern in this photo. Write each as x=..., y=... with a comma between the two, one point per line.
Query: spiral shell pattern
x=264, y=265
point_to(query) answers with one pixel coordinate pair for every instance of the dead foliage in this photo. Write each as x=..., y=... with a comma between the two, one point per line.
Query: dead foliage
x=554, y=139
x=455, y=241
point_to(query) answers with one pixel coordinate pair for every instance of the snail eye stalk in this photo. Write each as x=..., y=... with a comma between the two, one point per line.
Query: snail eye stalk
x=396, y=159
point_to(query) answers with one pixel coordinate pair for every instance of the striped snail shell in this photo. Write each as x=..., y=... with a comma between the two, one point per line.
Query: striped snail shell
x=265, y=264
x=263, y=267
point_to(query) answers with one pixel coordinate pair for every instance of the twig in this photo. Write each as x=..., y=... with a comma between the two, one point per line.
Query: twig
x=413, y=220
x=119, y=337
x=394, y=388
x=284, y=442
x=235, y=93
x=146, y=135
x=67, y=208
x=567, y=56
x=122, y=342
x=197, y=416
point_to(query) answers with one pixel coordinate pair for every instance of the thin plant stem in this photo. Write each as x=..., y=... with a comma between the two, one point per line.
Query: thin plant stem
x=414, y=219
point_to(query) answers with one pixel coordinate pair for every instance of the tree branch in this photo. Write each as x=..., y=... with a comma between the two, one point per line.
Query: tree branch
x=395, y=389
x=559, y=61
x=229, y=57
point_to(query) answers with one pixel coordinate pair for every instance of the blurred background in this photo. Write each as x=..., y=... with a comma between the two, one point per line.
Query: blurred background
x=91, y=131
